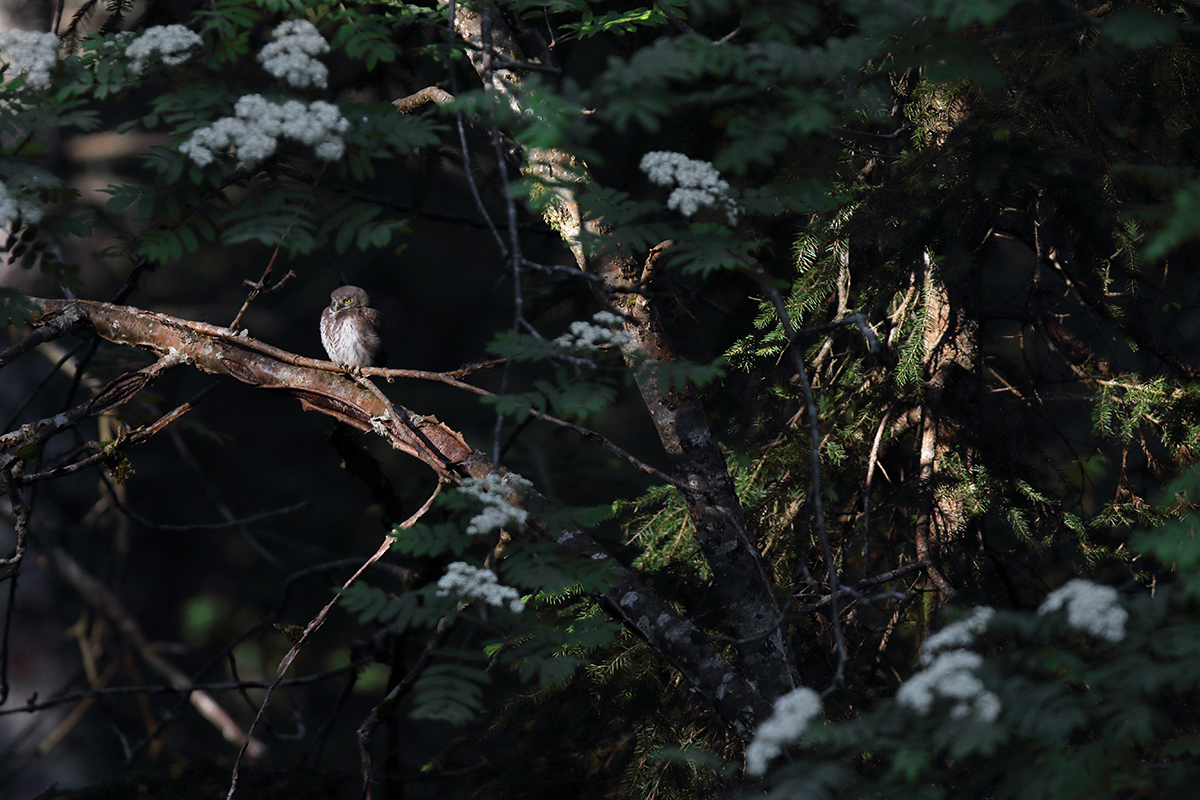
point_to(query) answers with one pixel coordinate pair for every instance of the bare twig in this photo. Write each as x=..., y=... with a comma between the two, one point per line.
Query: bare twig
x=20, y=516
x=470, y=173
x=36, y=390
x=136, y=436
x=451, y=379
x=867, y=583
x=186, y=688
x=15, y=445
x=312, y=626
x=261, y=287
x=871, y=460
x=59, y=326
x=797, y=356
x=387, y=706
x=202, y=526
x=101, y=598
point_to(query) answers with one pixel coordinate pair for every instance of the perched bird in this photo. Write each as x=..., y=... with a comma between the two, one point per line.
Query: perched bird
x=351, y=330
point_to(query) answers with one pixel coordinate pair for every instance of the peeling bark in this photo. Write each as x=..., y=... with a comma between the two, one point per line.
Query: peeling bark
x=360, y=404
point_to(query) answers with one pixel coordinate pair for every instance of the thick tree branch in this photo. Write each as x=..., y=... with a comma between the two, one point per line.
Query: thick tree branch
x=214, y=350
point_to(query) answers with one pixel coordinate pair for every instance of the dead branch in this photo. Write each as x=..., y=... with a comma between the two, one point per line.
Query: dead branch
x=99, y=597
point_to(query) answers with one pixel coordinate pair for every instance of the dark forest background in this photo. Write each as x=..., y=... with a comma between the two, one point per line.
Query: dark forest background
x=944, y=355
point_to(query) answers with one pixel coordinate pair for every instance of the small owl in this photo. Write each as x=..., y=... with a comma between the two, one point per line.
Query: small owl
x=351, y=330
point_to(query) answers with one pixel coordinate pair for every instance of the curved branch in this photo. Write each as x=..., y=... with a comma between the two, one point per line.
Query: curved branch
x=217, y=351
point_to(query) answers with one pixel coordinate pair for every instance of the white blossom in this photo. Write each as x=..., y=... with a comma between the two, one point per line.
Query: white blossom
x=497, y=512
x=1091, y=608
x=291, y=57
x=793, y=711
x=463, y=580
x=960, y=633
x=951, y=675
x=589, y=336
x=699, y=183
x=173, y=42
x=32, y=52
x=13, y=207
x=258, y=125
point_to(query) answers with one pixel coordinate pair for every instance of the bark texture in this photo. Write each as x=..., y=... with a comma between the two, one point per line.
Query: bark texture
x=362, y=405
x=950, y=420
x=740, y=579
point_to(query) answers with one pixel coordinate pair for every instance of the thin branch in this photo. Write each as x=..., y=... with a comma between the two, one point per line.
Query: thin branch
x=449, y=379
x=136, y=436
x=20, y=517
x=514, y=244
x=55, y=328
x=114, y=393
x=273, y=617
x=261, y=287
x=36, y=390
x=1036, y=33
x=470, y=174
x=8, y=615
x=430, y=94
x=387, y=706
x=20, y=522
x=500, y=61
x=871, y=461
x=797, y=356
x=673, y=18
x=187, y=688
x=315, y=623
x=201, y=526
x=867, y=583
x=103, y=600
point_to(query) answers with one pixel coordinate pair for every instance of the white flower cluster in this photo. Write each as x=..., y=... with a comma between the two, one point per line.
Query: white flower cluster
x=951, y=675
x=31, y=52
x=464, y=580
x=497, y=512
x=1091, y=608
x=699, y=183
x=13, y=207
x=960, y=633
x=587, y=336
x=793, y=712
x=173, y=42
x=259, y=124
x=291, y=57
